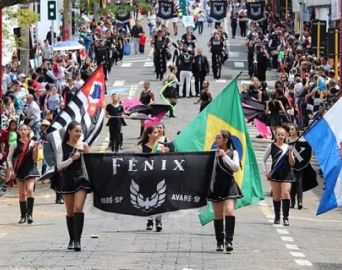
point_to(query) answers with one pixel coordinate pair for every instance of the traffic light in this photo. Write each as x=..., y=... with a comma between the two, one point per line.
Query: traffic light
x=52, y=10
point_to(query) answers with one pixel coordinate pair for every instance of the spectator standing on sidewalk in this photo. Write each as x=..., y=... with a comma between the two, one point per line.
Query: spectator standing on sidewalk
x=136, y=32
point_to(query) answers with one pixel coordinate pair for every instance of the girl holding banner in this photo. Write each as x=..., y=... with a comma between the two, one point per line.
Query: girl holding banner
x=74, y=184
x=281, y=175
x=149, y=144
x=223, y=190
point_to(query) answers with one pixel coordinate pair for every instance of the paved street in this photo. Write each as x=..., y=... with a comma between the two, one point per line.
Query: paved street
x=113, y=241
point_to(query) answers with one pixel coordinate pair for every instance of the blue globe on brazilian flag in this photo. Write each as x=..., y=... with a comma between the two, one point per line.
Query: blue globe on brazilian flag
x=225, y=112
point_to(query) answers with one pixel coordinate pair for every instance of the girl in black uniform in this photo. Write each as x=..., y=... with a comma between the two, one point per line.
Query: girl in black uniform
x=223, y=190
x=149, y=144
x=146, y=98
x=281, y=175
x=74, y=184
x=114, y=112
x=297, y=187
x=205, y=96
x=21, y=160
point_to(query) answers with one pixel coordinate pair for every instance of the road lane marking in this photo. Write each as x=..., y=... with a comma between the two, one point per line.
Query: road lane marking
x=150, y=53
x=126, y=65
x=303, y=262
x=287, y=238
x=2, y=235
x=141, y=82
x=292, y=247
x=148, y=64
x=132, y=90
x=221, y=81
x=118, y=83
x=297, y=254
x=239, y=64
x=283, y=231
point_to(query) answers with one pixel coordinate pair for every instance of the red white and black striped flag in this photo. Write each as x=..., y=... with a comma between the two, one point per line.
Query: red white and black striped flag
x=86, y=107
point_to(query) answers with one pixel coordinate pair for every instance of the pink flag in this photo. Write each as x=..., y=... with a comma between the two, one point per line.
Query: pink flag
x=130, y=102
x=154, y=120
x=261, y=127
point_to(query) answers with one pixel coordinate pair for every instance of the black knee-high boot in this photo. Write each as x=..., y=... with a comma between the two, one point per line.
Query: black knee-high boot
x=276, y=206
x=286, y=210
x=218, y=225
x=30, y=202
x=23, y=212
x=78, y=228
x=70, y=225
x=293, y=195
x=229, y=232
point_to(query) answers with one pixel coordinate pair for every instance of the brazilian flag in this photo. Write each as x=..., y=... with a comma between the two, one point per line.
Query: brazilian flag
x=225, y=112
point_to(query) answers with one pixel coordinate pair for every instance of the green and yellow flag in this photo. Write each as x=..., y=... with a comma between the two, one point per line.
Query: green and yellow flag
x=225, y=112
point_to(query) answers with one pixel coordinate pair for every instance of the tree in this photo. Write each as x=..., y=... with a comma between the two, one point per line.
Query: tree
x=9, y=3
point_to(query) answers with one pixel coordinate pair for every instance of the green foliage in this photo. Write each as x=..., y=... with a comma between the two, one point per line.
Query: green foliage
x=23, y=18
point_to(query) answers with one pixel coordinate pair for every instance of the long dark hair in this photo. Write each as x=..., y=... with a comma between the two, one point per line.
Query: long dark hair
x=144, y=137
x=230, y=143
x=71, y=126
x=227, y=135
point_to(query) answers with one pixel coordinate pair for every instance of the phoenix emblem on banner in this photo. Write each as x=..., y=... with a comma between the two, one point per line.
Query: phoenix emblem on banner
x=149, y=203
x=166, y=11
x=256, y=11
x=218, y=10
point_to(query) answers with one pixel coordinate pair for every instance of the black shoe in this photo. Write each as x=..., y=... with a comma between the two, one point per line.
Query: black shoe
x=276, y=220
x=149, y=225
x=219, y=247
x=59, y=201
x=22, y=220
x=229, y=247
x=300, y=205
x=159, y=226
x=286, y=222
x=29, y=219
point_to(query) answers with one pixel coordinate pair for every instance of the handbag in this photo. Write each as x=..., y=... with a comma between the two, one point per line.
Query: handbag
x=127, y=49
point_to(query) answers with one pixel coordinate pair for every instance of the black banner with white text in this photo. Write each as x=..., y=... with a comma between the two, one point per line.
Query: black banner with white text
x=255, y=10
x=218, y=9
x=166, y=10
x=149, y=184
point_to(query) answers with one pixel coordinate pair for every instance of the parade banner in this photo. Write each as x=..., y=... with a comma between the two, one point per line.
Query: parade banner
x=149, y=184
x=255, y=10
x=225, y=113
x=218, y=9
x=166, y=10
